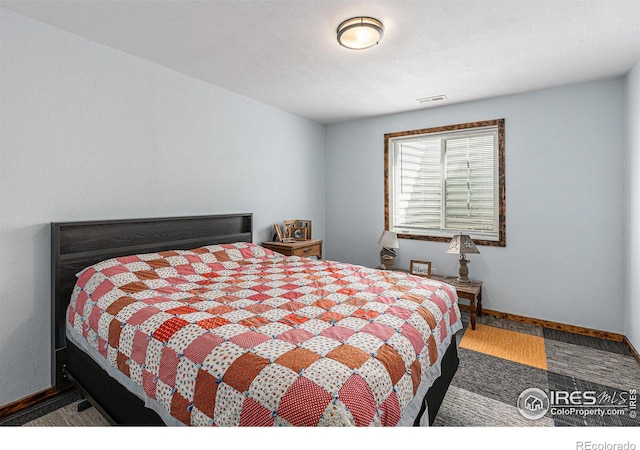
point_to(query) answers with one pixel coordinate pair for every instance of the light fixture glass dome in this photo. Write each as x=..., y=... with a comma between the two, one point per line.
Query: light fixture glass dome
x=359, y=33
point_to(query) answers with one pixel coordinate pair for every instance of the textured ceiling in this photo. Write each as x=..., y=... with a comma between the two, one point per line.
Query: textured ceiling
x=285, y=53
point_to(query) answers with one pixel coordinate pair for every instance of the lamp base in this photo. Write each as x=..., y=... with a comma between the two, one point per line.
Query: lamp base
x=388, y=258
x=388, y=261
x=463, y=275
x=463, y=271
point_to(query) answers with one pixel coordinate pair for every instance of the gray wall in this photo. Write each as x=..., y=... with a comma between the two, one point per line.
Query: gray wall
x=91, y=133
x=564, y=166
x=632, y=209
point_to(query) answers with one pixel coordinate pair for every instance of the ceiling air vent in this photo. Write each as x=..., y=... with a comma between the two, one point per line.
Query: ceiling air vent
x=433, y=98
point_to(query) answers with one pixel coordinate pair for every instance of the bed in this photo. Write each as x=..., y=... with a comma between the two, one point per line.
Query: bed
x=184, y=321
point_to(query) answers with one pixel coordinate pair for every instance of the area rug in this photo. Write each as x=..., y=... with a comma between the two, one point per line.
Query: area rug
x=506, y=344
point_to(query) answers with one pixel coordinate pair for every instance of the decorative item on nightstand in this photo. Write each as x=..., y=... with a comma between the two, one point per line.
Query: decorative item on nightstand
x=389, y=242
x=462, y=244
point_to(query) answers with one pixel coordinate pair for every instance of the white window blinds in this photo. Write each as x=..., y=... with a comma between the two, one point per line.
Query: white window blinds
x=446, y=182
x=418, y=199
x=471, y=184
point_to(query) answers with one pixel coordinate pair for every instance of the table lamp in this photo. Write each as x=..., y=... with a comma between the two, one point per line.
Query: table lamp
x=462, y=244
x=389, y=242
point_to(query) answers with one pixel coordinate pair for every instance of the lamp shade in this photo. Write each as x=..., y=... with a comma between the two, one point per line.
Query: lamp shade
x=359, y=33
x=462, y=244
x=389, y=239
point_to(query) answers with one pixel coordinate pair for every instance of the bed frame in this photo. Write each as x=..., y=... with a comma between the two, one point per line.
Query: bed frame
x=76, y=245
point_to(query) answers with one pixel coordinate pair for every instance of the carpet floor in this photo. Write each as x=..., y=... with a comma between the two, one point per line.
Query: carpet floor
x=501, y=359
x=498, y=361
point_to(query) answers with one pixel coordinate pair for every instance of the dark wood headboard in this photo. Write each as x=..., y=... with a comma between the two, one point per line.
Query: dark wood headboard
x=76, y=245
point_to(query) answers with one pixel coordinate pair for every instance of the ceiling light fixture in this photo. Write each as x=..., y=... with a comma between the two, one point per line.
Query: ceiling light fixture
x=359, y=33
x=433, y=98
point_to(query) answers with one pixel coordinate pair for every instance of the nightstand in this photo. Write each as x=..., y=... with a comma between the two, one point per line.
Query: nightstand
x=472, y=292
x=310, y=247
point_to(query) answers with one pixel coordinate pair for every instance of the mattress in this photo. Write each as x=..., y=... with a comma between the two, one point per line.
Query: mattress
x=237, y=335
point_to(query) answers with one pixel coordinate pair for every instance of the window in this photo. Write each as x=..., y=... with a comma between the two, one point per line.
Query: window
x=441, y=181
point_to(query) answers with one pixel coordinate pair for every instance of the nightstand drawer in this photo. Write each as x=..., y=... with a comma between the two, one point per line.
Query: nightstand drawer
x=308, y=248
x=311, y=250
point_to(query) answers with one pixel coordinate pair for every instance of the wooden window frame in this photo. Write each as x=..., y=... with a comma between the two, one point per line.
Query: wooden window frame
x=502, y=209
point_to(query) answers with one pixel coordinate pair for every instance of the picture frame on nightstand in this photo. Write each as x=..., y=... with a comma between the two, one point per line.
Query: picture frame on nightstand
x=279, y=235
x=299, y=233
x=287, y=225
x=420, y=268
x=307, y=225
x=291, y=227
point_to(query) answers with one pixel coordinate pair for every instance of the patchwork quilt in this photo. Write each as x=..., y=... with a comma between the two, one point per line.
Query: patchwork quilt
x=237, y=335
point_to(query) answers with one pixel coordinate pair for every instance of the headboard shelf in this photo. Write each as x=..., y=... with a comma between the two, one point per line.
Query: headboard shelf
x=183, y=244
x=77, y=245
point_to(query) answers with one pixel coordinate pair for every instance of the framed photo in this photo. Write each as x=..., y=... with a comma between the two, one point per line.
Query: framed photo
x=420, y=268
x=299, y=233
x=307, y=225
x=286, y=227
x=279, y=234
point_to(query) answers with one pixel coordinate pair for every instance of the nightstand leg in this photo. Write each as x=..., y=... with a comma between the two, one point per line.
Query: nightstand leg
x=480, y=304
x=472, y=307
